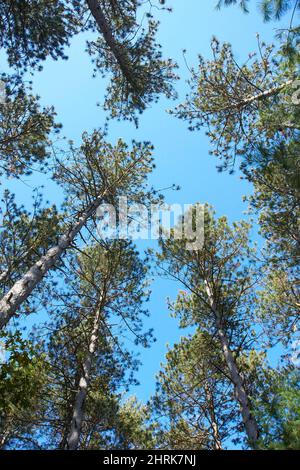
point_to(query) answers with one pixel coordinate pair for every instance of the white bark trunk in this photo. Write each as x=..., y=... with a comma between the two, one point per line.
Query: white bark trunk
x=23, y=288
x=240, y=392
x=79, y=406
x=258, y=97
x=266, y=94
x=4, y=275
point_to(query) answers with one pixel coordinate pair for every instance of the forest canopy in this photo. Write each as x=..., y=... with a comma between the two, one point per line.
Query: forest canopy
x=78, y=306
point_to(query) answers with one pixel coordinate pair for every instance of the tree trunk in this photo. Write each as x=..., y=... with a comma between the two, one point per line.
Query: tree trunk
x=241, y=395
x=79, y=406
x=240, y=392
x=23, y=288
x=118, y=50
x=4, y=437
x=4, y=275
x=258, y=97
x=213, y=421
x=266, y=94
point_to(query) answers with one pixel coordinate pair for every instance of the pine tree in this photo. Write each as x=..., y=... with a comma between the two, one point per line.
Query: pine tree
x=277, y=200
x=277, y=408
x=220, y=298
x=24, y=236
x=97, y=173
x=271, y=9
x=25, y=129
x=33, y=30
x=23, y=375
x=192, y=396
x=242, y=106
x=252, y=117
x=90, y=367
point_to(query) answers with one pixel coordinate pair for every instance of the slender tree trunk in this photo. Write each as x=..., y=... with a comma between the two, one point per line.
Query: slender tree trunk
x=79, y=406
x=118, y=50
x=4, y=437
x=266, y=94
x=240, y=392
x=4, y=275
x=23, y=288
x=2, y=441
x=241, y=395
x=213, y=421
x=218, y=444
x=258, y=97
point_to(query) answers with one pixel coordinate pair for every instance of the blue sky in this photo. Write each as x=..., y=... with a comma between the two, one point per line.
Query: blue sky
x=181, y=157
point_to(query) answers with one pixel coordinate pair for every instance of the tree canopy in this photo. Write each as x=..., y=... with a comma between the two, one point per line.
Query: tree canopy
x=74, y=315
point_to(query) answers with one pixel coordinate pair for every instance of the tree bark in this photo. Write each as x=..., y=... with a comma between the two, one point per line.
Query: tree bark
x=266, y=94
x=258, y=97
x=4, y=437
x=213, y=421
x=240, y=392
x=23, y=288
x=118, y=50
x=79, y=406
x=4, y=275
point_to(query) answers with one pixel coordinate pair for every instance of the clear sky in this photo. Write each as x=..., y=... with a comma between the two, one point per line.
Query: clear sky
x=181, y=157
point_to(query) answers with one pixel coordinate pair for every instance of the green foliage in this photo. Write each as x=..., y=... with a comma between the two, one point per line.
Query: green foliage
x=109, y=276
x=22, y=378
x=252, y=116
x=133, y=430
x=233, y=102
x=24, y=236
x=194, y=400
x=279, y=303
x=25, y=130
x=278, y=409
x=219, y=299
x=216, y=380
x=276, y=199
x=99, y=168
x=271, y=9
x=149, y=75
x=225, y=260
x=33, y=30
